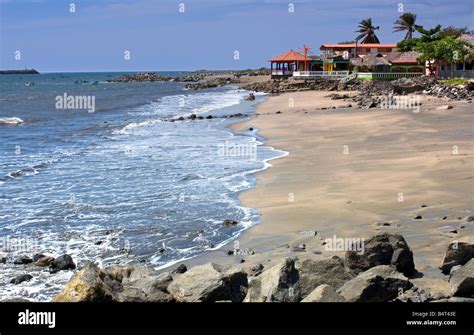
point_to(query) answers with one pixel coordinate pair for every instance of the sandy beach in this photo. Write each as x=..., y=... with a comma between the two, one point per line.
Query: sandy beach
x=349, y=168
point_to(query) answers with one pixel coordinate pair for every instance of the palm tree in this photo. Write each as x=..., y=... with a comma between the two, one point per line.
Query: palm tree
x=367, y=32
x=406, y=22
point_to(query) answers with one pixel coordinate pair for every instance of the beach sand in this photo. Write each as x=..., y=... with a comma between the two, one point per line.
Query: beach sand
x=348, y=168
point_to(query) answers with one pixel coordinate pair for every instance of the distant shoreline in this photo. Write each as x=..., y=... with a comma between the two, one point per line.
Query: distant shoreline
x=30, y=71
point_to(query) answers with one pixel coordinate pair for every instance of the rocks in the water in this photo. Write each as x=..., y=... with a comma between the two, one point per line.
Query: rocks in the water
x=251, y=97
x=44, y=261
x=313, y=273
x=458, y=253
x=229, y=223
x=22, y=260
x=279, y=284
x=181, y=269
x=324, y=293
x=462, y=281
x=90, y=284
x=63, y=262
x=378, y=284
x=20, y=279
x=469, y=218
x=210, y=283
x=213, y=82
x=3, y=260
x=382, y=249
x=417, y=217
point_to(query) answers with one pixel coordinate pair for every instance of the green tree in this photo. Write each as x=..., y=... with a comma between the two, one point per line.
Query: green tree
x=454, y=31
x=367, y=32
x=427, y=36
x=406, y=22
x=447, y=49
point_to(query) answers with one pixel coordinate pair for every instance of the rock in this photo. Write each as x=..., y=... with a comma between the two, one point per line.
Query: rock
x=299, y=248
x=36, y=257
x=44, y=261
x=448, y=229
x=63, y=262
x=3, y=260
x=279, y=283
x=382, y=249
x=209, y=117
x=192, y=117
x=458, y=253
x=418, y=217
x=378, y=284
x=469, y=218
x=324, y=293
x=21, y=279
x=229, y=223
x=181, y=269
x=462, y=281
x=256, y=270
x=444, y=107
x=210, y=283
x=90, y=284
x=22, y=260
x=250, y=97
x=328, y=271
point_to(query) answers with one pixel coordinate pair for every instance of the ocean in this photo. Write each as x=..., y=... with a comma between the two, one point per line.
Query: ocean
x=120, y=184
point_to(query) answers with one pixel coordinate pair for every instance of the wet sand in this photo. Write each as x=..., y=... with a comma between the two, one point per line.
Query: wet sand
x=348, y=168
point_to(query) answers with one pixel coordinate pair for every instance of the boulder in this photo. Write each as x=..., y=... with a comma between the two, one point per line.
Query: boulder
x=458, y=253
x=313, y=273
x=3, y=260
x=382, y=249
x=90, y=284
x=63, y=262
x=462, y=281
x=21, y=279
x=378, y=284
x=324, y=293
x=181, y=269
x=210, y=283
x=279, y=283
x=22, y=260
x=44, y=261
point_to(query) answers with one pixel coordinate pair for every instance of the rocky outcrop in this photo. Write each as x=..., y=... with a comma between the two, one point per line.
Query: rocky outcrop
x=61, y=263
x=458, y=253
x=462, y=281
x=324, y=293
x=279, y=283
x=382, y=249
x=211, y=83
x=90, y=284
x=313, y=273
x=378, y=284
x=210, y=283
x=20, y=279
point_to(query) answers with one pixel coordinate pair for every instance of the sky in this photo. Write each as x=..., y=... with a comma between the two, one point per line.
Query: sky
x=167, y=35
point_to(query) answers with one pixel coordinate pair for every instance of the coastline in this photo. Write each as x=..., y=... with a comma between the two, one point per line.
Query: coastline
x=390, y=152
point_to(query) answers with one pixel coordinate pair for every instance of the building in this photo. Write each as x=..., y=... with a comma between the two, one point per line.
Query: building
x=353, y=50
x=283, y=66
x=463, y=69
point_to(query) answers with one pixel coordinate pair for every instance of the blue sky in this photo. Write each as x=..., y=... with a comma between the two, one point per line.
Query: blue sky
x=159, y=37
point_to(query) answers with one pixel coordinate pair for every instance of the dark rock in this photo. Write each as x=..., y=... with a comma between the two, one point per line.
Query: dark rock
x=209, y=117
x=22, y=260
x=256, y=270
x=44, y=261
x=418, y=217
x=181, y=269
x=229, y=223
x=3, y=260
x=21, y=279
x=63, y=262
x=382, y=249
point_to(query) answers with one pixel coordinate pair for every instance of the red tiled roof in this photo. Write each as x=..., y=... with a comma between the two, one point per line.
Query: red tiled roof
x=289, y=56
x=353, y=45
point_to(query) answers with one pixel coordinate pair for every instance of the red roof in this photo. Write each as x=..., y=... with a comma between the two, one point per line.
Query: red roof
x=401, y=61
x=289, y=56
x=353, y=45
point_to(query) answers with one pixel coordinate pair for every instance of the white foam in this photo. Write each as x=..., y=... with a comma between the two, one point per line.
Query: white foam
x=10, y=121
